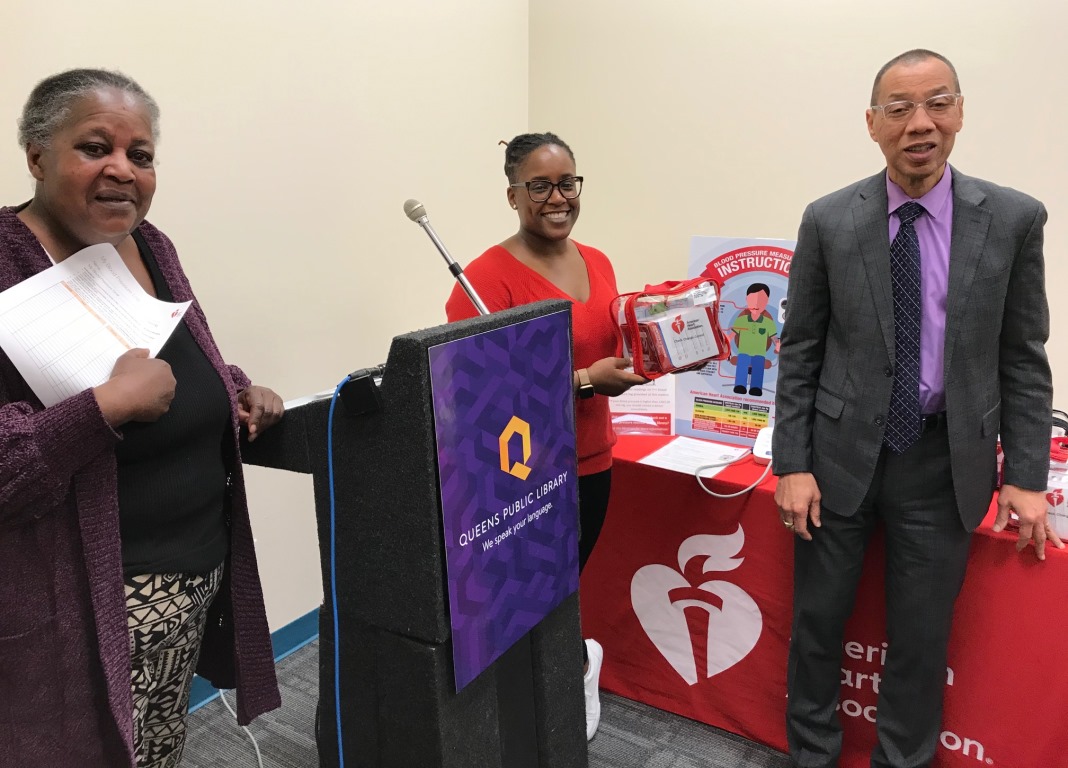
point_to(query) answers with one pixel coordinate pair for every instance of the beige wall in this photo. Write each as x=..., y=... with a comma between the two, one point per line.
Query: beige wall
x=709, y=117
x=292, y=134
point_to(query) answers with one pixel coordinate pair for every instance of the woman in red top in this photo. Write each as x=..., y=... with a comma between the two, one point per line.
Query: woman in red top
x=541, y=261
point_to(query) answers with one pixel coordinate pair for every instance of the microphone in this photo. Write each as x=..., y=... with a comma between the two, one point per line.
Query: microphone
x=415, y=211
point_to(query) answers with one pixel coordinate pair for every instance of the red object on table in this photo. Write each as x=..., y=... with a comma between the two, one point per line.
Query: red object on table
x=691, y=598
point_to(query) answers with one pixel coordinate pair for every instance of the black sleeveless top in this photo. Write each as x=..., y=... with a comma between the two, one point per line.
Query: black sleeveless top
x=172, y=475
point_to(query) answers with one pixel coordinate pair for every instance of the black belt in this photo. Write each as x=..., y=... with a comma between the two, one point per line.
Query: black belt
x=932, y=421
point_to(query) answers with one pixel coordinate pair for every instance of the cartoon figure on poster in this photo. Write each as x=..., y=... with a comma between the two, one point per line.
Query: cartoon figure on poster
x=752, y=335
x=731, y=400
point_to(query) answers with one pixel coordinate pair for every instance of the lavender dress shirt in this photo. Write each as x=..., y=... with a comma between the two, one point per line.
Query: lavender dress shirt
x=934, y=230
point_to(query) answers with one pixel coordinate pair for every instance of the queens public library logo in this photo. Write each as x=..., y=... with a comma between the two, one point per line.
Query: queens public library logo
x=515, y=427
x=510, y=538
x=661, y=596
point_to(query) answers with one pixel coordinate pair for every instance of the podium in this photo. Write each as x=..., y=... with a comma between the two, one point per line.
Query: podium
x=399, y=707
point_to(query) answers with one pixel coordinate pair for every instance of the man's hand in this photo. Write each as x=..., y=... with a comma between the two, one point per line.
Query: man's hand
x=798, y=498
x=1030, y=507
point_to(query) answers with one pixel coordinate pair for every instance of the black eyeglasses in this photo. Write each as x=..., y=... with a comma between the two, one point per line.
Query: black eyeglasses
x=541, y=190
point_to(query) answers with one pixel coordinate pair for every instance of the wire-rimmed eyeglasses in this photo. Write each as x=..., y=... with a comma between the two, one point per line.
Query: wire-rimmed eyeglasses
x=541, y=190
x=936, y=107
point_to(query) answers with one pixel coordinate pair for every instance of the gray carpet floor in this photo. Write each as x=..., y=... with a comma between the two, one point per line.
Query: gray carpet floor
x=631, y=735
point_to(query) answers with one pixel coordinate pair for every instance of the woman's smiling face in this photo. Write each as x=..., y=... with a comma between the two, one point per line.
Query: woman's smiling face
x=554, y=218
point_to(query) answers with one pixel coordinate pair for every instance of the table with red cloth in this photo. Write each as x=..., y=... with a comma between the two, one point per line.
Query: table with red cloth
x=690, y=595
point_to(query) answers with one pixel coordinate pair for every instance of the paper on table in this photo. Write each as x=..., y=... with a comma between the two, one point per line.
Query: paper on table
x=296, y=402
x=64, y=328
x=686, y=454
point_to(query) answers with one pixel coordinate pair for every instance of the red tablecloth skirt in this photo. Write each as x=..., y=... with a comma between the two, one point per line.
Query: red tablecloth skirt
x=691, y=597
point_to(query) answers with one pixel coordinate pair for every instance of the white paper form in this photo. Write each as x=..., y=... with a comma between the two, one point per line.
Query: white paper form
x=686, y=454
x=64, y=328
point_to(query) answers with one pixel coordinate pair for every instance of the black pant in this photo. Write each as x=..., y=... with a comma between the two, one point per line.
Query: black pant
x=912, y=496
x=593, y=506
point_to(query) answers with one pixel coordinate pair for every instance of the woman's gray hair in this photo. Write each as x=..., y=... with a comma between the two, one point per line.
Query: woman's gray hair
x=51, y=99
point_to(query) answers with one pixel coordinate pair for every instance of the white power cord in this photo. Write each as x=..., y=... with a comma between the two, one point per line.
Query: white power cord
x=259, y=757
x=703, y=467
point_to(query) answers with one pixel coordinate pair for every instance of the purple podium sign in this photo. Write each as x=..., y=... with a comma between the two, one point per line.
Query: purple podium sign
x=504, y=422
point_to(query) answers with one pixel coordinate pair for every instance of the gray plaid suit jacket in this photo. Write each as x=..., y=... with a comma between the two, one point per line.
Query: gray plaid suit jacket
x=837, y=356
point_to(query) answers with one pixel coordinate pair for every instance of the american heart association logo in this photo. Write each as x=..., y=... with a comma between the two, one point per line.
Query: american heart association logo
x=1055, y=497
x=684, y=612
x=677, y=325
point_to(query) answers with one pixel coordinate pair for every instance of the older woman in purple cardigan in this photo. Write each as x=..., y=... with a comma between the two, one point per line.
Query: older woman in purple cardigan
x=126, y=555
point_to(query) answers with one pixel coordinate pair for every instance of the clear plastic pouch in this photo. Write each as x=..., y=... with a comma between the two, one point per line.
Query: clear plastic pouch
x=671, y=327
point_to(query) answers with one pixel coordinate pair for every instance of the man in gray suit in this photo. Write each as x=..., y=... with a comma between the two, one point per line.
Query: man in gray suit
x=915, y=334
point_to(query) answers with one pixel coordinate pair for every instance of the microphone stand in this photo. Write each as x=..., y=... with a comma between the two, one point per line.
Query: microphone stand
x=417, y=213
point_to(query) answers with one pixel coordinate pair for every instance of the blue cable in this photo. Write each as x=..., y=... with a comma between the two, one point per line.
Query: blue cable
x=333, y=570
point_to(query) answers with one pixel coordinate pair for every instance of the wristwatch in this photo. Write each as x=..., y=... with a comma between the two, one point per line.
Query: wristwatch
x=585, y=388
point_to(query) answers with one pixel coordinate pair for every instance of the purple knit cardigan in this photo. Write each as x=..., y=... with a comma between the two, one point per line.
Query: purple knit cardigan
x=64, y=650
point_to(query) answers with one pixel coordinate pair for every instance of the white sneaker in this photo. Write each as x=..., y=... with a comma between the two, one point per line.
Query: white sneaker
x=591, y=687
